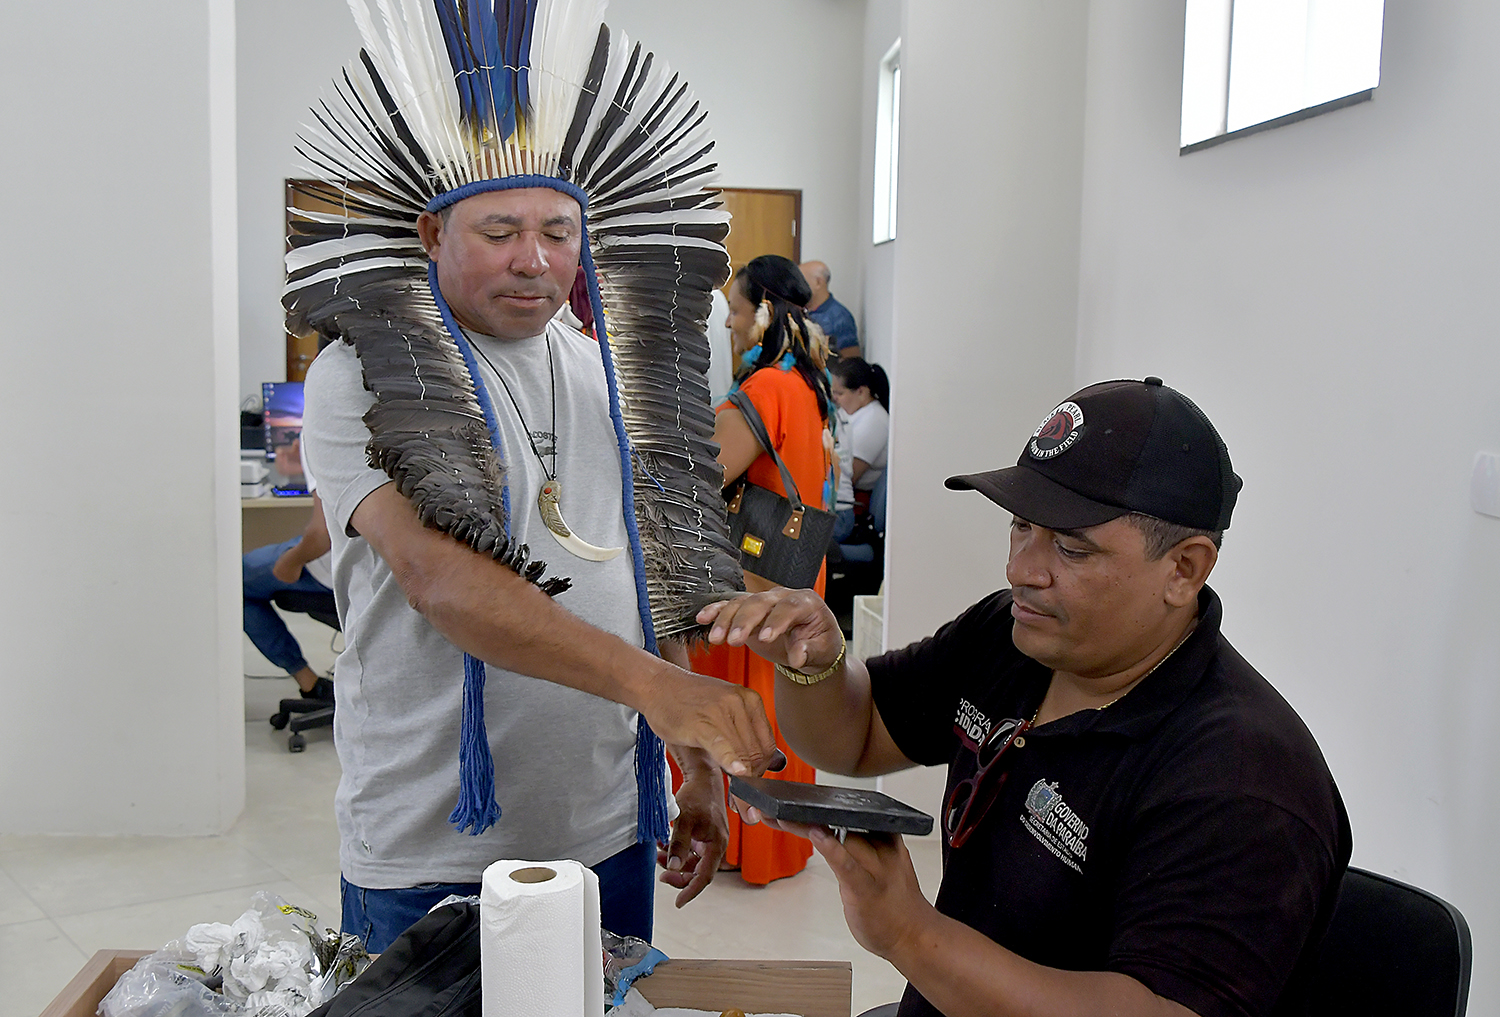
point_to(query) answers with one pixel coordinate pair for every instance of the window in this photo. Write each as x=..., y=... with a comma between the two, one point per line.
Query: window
x=1252, y=64
x=887, y=142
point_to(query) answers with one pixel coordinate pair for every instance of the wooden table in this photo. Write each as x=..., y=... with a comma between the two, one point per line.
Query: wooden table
x=270, y=520
x=809, y=988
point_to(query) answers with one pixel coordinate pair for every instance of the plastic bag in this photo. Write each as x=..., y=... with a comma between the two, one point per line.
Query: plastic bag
x=271, y=962
x=626, y=958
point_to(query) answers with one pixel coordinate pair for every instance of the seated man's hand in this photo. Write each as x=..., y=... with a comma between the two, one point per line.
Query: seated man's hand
x=883, y=903
x=701, y=834
x=790, y=627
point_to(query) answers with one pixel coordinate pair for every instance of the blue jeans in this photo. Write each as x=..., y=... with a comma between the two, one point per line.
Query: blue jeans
x=843, y=525
x=262, y=624
x=627, y=893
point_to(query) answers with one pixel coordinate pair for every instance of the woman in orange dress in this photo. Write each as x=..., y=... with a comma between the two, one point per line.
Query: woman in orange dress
x=787, y=382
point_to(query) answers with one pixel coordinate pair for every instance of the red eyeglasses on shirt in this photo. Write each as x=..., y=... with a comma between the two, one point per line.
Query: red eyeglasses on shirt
x=972, y=797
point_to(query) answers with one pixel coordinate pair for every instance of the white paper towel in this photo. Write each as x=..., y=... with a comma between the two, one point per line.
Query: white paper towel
x=540, y=951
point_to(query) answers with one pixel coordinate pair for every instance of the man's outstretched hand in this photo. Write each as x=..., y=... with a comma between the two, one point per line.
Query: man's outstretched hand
x=790, y=627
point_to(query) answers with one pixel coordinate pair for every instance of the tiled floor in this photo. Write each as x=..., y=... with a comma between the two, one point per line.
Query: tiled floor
x=62, y=898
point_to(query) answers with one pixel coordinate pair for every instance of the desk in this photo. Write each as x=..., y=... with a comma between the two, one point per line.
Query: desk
x=270, y=520
x=812, y=988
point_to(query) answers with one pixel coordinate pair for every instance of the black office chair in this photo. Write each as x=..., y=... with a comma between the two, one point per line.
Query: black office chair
x=858, y=565
x=1392, y=949
x=300, y=713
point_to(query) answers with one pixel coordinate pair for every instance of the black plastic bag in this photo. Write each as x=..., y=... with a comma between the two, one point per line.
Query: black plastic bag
x=431, y=970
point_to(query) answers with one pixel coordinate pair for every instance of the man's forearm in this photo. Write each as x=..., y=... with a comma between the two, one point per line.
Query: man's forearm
x=491, y=613
x=298, y=555
x=827, y=724
x=962, y=972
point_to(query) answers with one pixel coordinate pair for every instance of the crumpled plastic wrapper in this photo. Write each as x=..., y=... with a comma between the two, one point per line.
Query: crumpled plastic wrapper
x=270, y=962
x=626, y=958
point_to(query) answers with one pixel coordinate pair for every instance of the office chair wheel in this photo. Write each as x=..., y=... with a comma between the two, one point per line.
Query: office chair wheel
x=296, y=743
x=279, y=721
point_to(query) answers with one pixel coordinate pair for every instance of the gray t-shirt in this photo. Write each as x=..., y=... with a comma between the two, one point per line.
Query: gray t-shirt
x=564, y=760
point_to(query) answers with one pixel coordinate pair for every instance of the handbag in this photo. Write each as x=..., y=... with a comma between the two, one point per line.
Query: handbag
x=780, y=540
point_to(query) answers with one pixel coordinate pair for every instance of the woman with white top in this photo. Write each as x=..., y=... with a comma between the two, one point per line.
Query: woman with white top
x=863, y=393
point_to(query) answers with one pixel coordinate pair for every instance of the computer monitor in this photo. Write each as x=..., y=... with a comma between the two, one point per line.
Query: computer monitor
x=283, y=423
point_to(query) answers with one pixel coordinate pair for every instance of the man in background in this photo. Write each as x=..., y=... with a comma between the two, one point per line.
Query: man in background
x=301, y=564
x=832, y=317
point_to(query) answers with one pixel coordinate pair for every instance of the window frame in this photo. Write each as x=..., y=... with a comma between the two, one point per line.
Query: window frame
x=887, y=145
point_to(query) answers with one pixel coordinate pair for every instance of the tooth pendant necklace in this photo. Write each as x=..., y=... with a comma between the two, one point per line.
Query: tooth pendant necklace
x=549, y=498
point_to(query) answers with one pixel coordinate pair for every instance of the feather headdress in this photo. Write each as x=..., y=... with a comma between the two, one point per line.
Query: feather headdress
x=449, y=98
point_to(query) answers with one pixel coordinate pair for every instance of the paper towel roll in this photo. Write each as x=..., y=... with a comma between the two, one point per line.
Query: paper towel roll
x=540, y=951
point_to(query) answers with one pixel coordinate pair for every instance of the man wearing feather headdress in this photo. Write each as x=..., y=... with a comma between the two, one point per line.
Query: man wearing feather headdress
x=479, y=152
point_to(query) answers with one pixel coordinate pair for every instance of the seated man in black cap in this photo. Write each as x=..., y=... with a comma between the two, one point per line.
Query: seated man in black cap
x=1135, y=822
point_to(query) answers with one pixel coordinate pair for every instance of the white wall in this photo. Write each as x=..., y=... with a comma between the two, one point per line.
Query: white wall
x=120, y=529
x=986, y=277
x=781, y=83
x=289, y=53
x=1325, y=292
x=985, y=291
x=877, y=319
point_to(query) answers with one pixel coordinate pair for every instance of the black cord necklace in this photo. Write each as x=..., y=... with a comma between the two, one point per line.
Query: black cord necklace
x=552, y=380
x=549, y=498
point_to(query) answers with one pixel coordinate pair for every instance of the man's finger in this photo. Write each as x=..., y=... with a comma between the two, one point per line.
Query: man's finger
x=747, y=620
x=835, y=853
x=723, y=620
x=703, y=874
x=787, y=614
x=744, y=744
x=866, y=848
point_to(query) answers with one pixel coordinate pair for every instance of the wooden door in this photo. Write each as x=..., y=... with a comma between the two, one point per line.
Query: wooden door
x=764, y=222
x=302, y=349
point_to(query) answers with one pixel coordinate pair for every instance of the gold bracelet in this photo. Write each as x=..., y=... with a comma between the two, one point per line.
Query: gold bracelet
x=802, y=678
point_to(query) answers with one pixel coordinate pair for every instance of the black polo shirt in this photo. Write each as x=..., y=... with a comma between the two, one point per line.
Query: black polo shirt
x=1188, y=835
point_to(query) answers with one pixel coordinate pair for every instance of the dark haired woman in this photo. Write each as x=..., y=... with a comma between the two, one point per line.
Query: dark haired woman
x=863, y=393
x=784, y=356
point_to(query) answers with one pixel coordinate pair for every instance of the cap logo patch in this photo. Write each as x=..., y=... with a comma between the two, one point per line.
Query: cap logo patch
x=1058, y=432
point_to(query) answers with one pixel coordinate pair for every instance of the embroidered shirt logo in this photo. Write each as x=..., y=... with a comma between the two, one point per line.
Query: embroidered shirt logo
x=1060, y=830
x=972, y=721
x=1058, y=432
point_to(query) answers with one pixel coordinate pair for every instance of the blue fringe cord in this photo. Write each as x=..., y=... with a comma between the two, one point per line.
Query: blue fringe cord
x=477, y=809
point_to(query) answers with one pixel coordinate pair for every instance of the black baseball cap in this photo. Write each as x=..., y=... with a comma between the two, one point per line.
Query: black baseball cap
x=1115, y=448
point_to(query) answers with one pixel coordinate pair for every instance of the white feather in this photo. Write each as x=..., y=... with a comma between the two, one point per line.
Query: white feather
x=336, y=217
x=362, y=265
x=562, y=46
x=659, y=239
x=692, y=216
x=300, y=258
